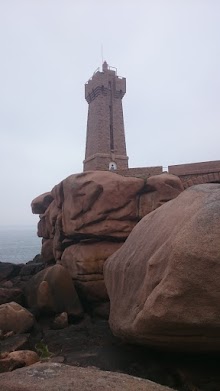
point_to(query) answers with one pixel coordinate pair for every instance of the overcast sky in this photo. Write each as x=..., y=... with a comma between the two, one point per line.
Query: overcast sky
x=169, y=52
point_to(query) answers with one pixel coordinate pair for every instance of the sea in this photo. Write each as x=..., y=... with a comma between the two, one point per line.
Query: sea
x=18, y=244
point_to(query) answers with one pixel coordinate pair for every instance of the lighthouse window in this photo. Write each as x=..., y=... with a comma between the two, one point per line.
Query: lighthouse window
x=112, y=166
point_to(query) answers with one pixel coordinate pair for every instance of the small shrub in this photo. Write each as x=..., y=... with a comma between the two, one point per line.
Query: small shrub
x=42, y=350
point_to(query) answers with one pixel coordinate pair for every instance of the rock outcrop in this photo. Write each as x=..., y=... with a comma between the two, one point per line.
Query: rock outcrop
x=40, y=204
x=52, y=290
x=90, y=215
x=13, y=317
x=163, y=283
x=84, y=262
x=56, y=377
x=13, y=279
x=99, y=204
x=158, y=190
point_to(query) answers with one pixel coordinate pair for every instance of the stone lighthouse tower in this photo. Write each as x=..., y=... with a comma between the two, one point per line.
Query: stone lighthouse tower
x=105, y=140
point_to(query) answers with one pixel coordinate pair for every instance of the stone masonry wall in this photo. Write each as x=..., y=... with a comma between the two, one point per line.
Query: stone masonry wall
x=190, y=174
x=195, y=168
x=141, y=172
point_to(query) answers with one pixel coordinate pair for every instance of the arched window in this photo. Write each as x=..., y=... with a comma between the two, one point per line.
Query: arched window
x=112, y=166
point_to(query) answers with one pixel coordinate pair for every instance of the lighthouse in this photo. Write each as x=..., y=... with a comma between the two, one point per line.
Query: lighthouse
x=105, y=139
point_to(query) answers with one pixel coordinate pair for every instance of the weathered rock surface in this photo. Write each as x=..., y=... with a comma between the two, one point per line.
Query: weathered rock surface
x=52, y=290
x=56, y=377
x=31, y=268
x=13, y=317
x=41, y=203
x=84, y=261
x=47, y=250
x=158, y=190
x=46, y=225
x=18, y=359
x=164, y=282
x=101, y=206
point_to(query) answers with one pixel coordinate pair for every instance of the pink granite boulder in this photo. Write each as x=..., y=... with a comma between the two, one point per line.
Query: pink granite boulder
x=163, y=283
x=100, y=203
x=84, y=262
x=57, y=377
x=40, y=204
x=159, y=189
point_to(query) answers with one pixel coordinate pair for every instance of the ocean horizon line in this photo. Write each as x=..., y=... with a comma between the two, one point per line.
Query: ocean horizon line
x=22, y=226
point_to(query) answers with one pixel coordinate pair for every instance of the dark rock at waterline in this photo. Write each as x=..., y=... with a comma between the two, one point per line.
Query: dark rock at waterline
x=9, y=270
x=13, y=279
x=31, y=268
x=11, y=294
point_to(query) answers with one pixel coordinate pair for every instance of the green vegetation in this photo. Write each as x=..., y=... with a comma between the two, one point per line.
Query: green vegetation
x=42, y=350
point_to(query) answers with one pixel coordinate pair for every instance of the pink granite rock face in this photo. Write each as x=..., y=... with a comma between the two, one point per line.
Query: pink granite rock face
x=84, y=261
x=40, y=204
x=101, y=204
x=47, y=250
x=46, y=225
x=57, y=377
x=91, y=215
x=163, y=283
x=159, y=190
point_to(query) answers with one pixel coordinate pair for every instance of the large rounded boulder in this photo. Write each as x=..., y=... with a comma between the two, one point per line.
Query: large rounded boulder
x=97, y=203
x=164, y=282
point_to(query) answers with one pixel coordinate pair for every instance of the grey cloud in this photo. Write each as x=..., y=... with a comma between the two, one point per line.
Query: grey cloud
x=168, y=51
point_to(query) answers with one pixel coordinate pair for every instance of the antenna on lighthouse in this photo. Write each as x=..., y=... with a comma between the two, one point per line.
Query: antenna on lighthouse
x=102, y=53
